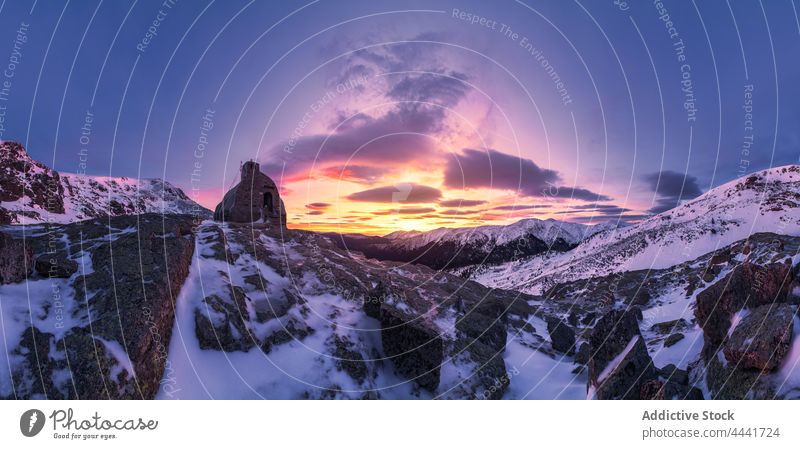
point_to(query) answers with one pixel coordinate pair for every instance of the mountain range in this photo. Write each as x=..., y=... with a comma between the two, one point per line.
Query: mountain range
x=31, y=192
x=698, y=302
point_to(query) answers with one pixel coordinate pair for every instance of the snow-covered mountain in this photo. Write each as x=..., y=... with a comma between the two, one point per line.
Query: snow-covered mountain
x=766, y=201
x=31, y=192
x=450, y=248
x=159, y=307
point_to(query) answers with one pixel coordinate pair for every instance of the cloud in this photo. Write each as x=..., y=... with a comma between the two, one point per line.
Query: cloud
x=406, y=211
x=398, y=137
x=604, y=218
x=671, y=188
x=522, y=207
x=407, y=193
x=360, y=174
x=445, y=89
x=492, y=169
x=460, y=212
x=315, y=212
x=318, y=206
x=404, y=134
x=461, y=203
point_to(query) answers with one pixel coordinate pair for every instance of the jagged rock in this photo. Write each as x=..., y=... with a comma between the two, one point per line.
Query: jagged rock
x=223, y=324
x=485, y=322
x=291, y=331
x=34, y=379
x=660, y=390
x=349, y=360
x=16, y=260
x=726, y=382
x=5, y=216
x=561, y=335
x=666, y=327
x=583, y=354
x=748, y=285
x=673, y=339
x=762, y=338
x=672, y=373
x=374, y=300
x=415, y=348
x=619, y=362
x=482, y=336
x=56, y=265
x=149, y=268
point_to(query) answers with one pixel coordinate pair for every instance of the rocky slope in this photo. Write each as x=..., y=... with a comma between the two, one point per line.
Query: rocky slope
x=161, y=306
x=767, y=201
x=93, y=315
x=31, y=192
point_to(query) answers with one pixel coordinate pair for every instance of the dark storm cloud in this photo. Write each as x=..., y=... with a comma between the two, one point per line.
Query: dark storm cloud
x=400, y=193
x=671, y=188
x=493, y=169
x=461, y=203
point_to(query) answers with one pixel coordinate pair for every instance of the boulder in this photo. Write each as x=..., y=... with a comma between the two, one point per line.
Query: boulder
x=672, y=373
x=293, y=330
x=660, y=390
x=727, y=382
x=762, y=338
x=223, y=323
x=482, y=337
x=16, y=260
x=414, y=346
x=149, y=268
x=673, y=339
x=666, y=327
x=747, y=285
x=56, y=265
x=561, y=335
x=582, y=356
x=619, y=363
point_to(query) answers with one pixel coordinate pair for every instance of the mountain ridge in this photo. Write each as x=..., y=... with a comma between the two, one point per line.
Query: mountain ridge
x=32, y=193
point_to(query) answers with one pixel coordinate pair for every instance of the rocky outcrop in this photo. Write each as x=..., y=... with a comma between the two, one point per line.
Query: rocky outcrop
x=762, y=338
x=223, y=323
x=16, y=259
x=56, y=265
x=561, y=335
x=122, y=316
x=31, y=192
x=24, y=178
x=619, y=363
x=747, y=285
x=414, y=346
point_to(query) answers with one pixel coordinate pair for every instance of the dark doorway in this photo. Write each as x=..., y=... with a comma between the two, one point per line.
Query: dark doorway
x=268, y=203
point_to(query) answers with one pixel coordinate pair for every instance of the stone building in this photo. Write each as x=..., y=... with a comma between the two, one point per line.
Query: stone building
x=255, y=198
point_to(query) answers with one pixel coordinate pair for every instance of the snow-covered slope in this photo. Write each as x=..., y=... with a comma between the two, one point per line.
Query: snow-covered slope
x=451, y=248
x=548, y=231
x=767, y=201
x=31, y=192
